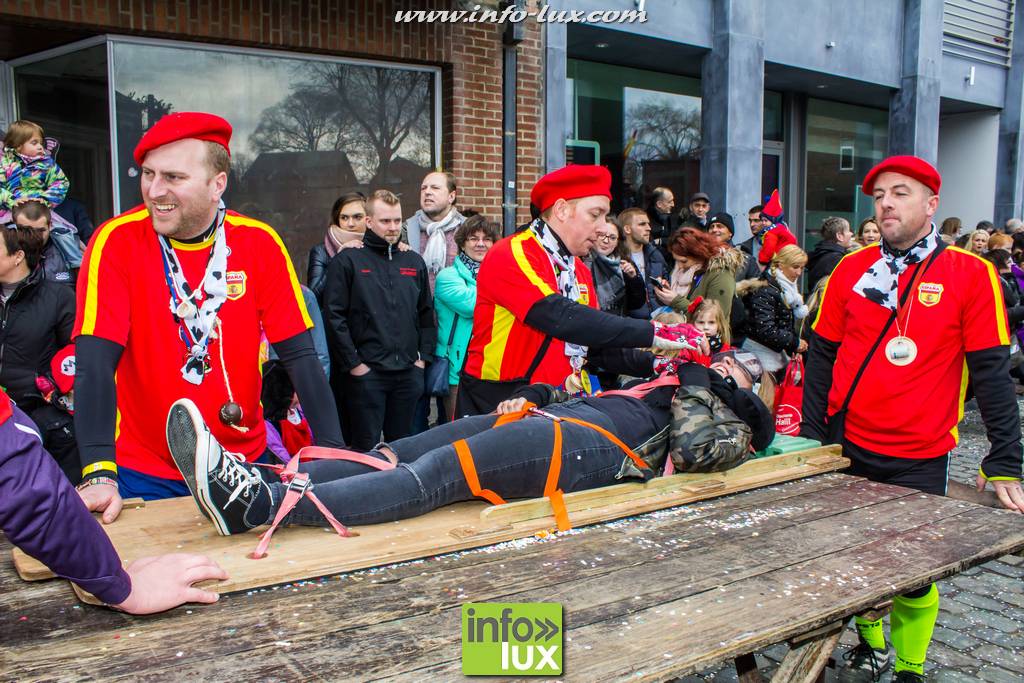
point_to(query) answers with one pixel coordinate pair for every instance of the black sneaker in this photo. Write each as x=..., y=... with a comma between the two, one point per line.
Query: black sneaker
x=865, y=663
x=907, y=677
x=228, y=490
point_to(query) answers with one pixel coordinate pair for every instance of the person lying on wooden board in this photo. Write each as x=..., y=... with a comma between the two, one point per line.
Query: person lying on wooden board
x=697, y=418
x=41, y=513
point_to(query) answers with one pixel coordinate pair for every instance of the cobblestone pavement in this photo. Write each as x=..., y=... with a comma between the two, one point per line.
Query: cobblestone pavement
x=980, y=631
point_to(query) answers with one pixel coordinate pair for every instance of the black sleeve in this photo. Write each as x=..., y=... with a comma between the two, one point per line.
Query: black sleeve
x=317, y=270
x=65, y=317
x=96, y=362
x=1015, y=316
x=427, y=321
x=632, y=362
x=578, y=324
x=298, y=355
x=821, y=357
x=335, y=310
x=636, y=292
x=761, y=325
x=990, y=374
x=539, y=394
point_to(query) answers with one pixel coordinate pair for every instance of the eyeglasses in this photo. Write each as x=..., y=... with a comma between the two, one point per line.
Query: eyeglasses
x=607, y=238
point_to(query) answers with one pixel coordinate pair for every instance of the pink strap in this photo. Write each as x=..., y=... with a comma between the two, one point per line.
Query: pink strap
x=641, y=390
x=299, y=486
x=322, y=453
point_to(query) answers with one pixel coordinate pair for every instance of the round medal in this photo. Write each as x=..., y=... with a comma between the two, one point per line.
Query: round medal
x=901, y=350
x=573, y=384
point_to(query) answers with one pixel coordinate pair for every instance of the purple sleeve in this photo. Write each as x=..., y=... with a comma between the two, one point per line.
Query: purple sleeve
x=42, y=514
x=274, y=443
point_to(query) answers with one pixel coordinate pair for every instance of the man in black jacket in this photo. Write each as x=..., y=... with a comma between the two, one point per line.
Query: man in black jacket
x=379, y=317
x=37, y=317
x=663, y=220
x=836, y=238
x=649, y=262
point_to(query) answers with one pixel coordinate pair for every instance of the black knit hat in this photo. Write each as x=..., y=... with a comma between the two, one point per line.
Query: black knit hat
x=723, y=218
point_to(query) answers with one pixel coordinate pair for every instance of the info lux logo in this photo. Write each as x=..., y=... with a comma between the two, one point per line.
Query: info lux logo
x=520, y=638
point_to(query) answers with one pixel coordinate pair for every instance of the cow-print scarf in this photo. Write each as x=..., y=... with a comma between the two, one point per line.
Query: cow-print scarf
x=881, y=281
x=564, y=265
x=201, y=315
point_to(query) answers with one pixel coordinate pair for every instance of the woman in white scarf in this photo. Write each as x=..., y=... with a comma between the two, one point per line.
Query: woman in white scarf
x=774, y=306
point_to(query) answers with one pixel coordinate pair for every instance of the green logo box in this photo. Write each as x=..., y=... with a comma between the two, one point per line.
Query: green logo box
x=512, y=638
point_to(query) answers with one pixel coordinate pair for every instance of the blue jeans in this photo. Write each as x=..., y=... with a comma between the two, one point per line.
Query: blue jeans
x=512, y=460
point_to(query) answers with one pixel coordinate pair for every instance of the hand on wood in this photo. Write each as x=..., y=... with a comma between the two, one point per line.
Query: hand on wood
x=1010, y=493
x=161, y=583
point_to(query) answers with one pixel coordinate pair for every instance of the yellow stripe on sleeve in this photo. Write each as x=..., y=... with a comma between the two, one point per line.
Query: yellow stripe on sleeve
x=234, y=219
x=524, y=264
x=93, y=276
x=1002, y=323
x=494, y=350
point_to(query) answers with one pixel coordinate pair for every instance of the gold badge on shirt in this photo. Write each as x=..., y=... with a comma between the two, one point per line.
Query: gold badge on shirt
x=584, y=295
x=929, y=293
x=236, y=284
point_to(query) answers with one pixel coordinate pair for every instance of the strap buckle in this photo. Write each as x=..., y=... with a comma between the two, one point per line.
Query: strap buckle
x=541, y=413
x=299, y=483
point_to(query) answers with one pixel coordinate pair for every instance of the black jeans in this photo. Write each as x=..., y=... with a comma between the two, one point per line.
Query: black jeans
x=382, y=400
x=511, y=460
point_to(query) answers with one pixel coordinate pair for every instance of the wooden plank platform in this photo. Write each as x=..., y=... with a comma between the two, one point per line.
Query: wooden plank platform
x=297, y=553
x=648, y=598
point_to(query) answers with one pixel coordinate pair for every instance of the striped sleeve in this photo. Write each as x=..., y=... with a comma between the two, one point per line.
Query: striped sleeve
x=984, y=317
x=514, y=278
x=103, y=292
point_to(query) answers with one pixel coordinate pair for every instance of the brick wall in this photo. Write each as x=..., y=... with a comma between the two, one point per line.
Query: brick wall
x=470, y=54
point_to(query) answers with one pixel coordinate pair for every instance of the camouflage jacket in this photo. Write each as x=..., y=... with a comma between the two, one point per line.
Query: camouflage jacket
x=702, y=435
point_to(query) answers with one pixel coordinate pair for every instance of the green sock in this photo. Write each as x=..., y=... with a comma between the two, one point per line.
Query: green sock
x=912, y=622
x=871, y=632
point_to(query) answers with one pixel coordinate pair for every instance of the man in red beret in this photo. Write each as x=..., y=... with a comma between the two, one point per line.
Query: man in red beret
x=536, y=308
x=901, y=326
x=174, y=298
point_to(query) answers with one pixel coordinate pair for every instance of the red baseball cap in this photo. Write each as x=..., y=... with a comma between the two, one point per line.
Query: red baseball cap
x=571, y=182
x=183, y=125
x=914, y=167
x=62, y=367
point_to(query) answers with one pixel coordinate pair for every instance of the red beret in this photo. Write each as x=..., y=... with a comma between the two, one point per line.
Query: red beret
x=914, y=167
x=572, y=182
x=183, y=125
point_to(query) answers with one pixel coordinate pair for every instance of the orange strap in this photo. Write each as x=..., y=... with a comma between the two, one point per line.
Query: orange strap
x=469, y=472
x=551, y=490
x=637, y=460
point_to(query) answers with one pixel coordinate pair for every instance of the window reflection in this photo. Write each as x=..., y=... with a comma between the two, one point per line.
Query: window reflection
x=843, y=143
x=305, y=130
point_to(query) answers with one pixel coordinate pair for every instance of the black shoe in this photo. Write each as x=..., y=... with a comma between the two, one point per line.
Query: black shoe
x=907, y=677
x=865, y=663
x=228, y=490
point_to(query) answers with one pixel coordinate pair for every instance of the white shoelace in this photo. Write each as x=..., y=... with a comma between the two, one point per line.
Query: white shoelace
x=233, y=473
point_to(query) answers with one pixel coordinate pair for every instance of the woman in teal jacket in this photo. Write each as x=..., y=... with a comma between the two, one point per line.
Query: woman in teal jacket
x=455, y=298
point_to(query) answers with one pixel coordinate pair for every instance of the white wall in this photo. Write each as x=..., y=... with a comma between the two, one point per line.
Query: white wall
x=967, y=163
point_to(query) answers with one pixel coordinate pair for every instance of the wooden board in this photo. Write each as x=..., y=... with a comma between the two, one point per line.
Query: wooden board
x=649, y=598
x=296, y=553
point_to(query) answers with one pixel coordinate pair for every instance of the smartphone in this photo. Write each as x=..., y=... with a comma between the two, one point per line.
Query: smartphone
x=660, y=284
